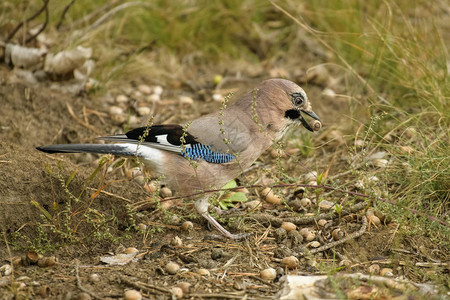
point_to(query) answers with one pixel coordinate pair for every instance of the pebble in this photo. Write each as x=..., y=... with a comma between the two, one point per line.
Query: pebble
x=186, y=100
x=268, y=274
x=311, y=176
x=172, y=268
x=165, y=192
x=270, y=197
x=203, y=272
x=115, y=110
x=143, y=111
x=131, y=250
x=177, y=292
x=145, y=89
x=187, y=226
x=326, y=205
x=290, y=262
x=217, y=97
x=154, y=98
x=288, y=226
x=132, y=295
x=157, y=90
x=121, y=99
x=184, y=286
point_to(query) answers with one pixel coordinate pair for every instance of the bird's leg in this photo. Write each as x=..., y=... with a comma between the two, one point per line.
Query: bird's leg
x=202, y=205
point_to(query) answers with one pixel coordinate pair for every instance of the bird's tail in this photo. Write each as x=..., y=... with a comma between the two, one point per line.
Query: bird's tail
x=117, y=149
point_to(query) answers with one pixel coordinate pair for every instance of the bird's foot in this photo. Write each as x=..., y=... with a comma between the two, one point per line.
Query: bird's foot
x=222, y=230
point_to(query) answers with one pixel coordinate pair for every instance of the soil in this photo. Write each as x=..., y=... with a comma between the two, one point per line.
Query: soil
x=101, y=224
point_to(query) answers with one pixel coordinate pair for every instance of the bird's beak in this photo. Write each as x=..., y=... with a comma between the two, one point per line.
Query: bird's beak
x=312, y=115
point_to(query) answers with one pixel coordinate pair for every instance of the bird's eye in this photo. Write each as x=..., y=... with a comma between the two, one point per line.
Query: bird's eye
x=298, y=100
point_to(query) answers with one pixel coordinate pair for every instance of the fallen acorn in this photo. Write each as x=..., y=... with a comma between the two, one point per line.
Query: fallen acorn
x=172, y=268
x=177, y=292
x=132, y=295
x=288, y=226
x=46, y=261
x=268, y=274
x=337, y=234
x=386, y=272
x=184, y=286
x=32, y=257
x=315, y=125
x=187, y=226
x=290, y=262
x=268, y=195
x=374, y=269
x=131, y=250
x=203, y=272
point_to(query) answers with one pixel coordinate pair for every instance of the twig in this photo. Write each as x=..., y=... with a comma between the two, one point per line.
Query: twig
x=66, y=9
x=145, y=286
x=351, y=236
x=77, y=274
x=276, y=221
x=110, y=194
x=320, y=186
x=13, y=33
x=69, y=108
x=43, y=26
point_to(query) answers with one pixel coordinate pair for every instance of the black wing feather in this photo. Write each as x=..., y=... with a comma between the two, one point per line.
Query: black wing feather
x=174, y=134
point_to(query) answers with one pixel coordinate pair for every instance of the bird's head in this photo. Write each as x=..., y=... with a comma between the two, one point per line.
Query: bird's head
x=291, y=101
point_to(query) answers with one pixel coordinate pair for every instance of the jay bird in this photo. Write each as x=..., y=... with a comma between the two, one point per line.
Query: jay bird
x=212, y=150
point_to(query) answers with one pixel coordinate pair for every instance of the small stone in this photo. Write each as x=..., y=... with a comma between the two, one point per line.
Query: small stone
x=143, y=111
x=337, y=234
x=217, y=97
x=304, y=231
x=131, y=250
x=94, y=277
x=115, y=110
x=288, y=226
x=132, y=295
x=311, y=176
x=326, y=205
x=158, y=90
x=386, y=272
x=176, y=241
x=121, y=99
x=165, y=192
x=322, y=222
x=314, y=244
x=374, y=269
x=270, y=197
x=329, y=93
x=359, y=144
x=84, y=296
x=153, y=98
x=177, y=292
x=187, y=226
x=306, y=202
x=374, y=220
x=310, y=236
x=254, y=204
x=145, y=89
x=186, y=100
x=6, y=270
x=184, y=286
x=203, y=272
x=172, y=268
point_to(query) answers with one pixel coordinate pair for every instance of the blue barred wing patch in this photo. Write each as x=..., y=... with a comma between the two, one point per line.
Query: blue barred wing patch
x=199, y=151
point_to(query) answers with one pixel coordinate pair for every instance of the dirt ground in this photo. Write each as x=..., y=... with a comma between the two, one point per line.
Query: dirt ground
x=34, y=115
